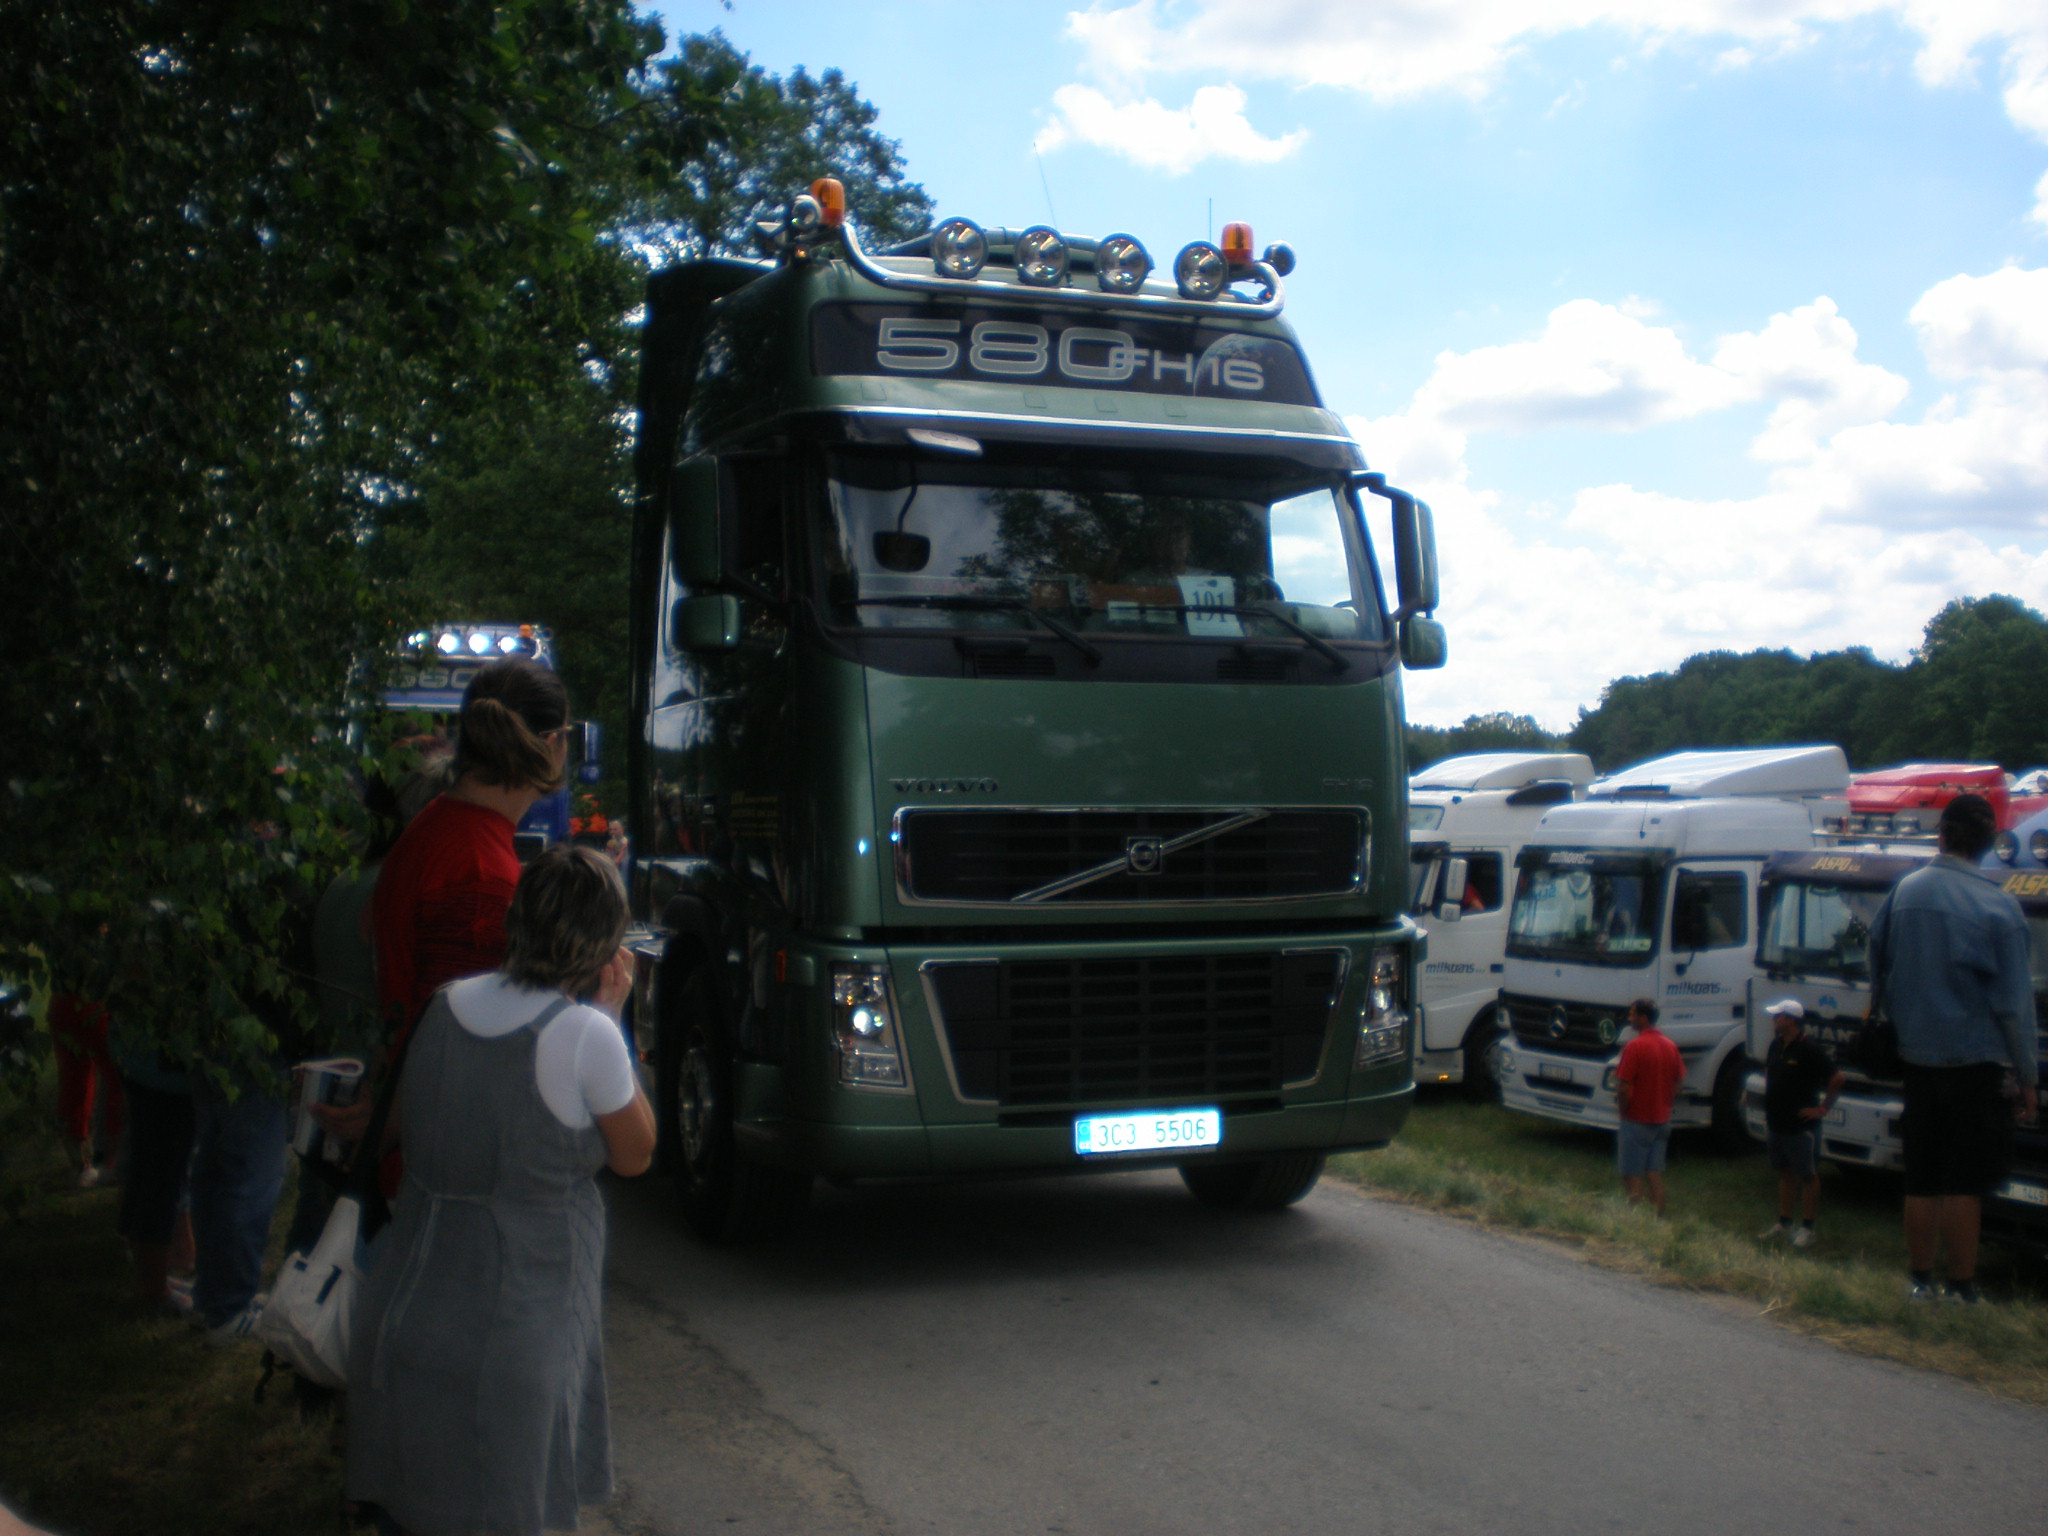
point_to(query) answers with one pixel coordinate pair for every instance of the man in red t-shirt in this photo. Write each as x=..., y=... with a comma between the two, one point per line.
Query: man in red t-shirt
x=1646, y=1082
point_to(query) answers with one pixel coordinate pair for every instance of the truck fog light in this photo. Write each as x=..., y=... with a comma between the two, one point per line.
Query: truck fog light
x=2037, y=845
x=1383, y=1023
x=1200, y=271
x=1041, y=257
x=1121, y=265
x=864, y=1032
x=2008, y=847
x=959, y=249
x=1610, y=1080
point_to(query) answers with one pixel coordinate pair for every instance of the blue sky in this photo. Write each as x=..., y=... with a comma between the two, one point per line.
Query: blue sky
x=1709, y=323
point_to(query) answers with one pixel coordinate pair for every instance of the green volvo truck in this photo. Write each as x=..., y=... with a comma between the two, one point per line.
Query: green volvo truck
x=1018, y=784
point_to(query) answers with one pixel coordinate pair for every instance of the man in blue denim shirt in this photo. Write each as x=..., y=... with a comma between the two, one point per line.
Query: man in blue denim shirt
x=1948, y=965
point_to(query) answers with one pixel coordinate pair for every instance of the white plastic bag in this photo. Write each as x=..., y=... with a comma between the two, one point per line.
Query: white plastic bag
x=305, y=1323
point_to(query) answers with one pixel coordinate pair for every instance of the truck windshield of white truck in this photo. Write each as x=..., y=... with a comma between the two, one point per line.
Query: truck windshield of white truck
x=1584, y=907
x=1101, y=546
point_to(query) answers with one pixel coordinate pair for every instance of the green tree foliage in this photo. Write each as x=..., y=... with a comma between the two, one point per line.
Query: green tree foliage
x=1975, y=691
x=727, y=144
x=249, y=257
x=1496, y=732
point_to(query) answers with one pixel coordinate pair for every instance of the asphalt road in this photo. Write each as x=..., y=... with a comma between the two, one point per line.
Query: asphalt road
x=1103, y=1356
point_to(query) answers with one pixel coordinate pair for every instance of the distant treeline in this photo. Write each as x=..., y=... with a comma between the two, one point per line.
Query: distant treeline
x=1976, y=690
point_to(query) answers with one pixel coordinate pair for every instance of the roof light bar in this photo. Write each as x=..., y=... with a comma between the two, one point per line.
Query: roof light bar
x=959, y=249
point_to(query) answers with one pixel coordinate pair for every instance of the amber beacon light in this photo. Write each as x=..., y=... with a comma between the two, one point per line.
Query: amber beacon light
x=1237, y=246
x=831, y=196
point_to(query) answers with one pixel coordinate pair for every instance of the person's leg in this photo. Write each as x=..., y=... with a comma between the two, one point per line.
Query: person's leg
x=74, y=1090
x=113, y=1101
x=1959, y=1220
x=157, y=1149
x=1633, y=1188
x=1923, y=1218
x=236, y=1179
x=1810, y=1201
x=1655, y=1153
x=1656, y=1183
x=1788, y=1184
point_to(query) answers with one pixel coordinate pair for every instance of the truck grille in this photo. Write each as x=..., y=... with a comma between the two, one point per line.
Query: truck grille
x=1082, y=857
x=1146, y=1027
x=1575, y=1029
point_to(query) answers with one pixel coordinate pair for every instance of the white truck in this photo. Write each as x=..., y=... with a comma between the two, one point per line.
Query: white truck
x=1811, y=944
x=1647, y=889
x=1468, y=818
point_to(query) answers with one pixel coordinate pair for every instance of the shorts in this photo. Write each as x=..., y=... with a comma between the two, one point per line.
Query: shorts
x=1640, y=1148
x=1957, y=1130
x=1793, y=1152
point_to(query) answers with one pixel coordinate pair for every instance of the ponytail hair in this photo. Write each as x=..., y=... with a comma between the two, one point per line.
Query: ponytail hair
x=508, y=710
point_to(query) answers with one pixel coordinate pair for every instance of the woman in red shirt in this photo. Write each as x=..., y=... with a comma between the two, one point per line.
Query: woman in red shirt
x=442, y=894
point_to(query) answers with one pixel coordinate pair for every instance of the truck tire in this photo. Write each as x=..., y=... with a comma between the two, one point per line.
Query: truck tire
x=726, y=1197
x=1263, y=1184
x=1731, y=1137
x=1481, y=1086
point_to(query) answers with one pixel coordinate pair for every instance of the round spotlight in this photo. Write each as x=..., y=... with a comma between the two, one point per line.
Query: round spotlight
x=1280, y=257
x=959, y=249
x=1121, y=265
x=1199, y=271
x=1041, y=257
x=805, y=215
x=479, y=644
x=2037, y=845
x=448, y=644
x=509, y=645
x=418, y=640
x=2008, y=847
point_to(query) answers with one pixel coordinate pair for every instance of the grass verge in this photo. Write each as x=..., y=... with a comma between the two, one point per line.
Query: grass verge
x=113, y=1422
x=1515, y=1172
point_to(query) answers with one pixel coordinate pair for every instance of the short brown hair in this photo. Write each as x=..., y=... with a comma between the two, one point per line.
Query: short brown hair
x=567, y=917
x=508, y=709
x=1646, y=1008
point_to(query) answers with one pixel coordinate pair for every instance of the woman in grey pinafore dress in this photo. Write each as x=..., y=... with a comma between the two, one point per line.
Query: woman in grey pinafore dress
x=476, y=1368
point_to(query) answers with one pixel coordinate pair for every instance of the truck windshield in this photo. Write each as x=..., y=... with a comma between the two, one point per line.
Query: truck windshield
x=1601, y=912
x=1144, y=547
x=1819, y=929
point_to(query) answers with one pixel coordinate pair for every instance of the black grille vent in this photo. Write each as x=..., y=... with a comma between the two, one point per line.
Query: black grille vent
x=1043, y=1032
x=998, y=856
x=1587, y=1030
x=1255, y=669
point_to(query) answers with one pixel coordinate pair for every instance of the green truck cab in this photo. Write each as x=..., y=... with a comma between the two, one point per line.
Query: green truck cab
x=1019, y=782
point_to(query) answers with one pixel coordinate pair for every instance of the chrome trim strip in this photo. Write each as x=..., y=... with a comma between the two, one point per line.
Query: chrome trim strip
x=1230, y=307
x=1110, y=867
x=900, y=854
x=1110, y=424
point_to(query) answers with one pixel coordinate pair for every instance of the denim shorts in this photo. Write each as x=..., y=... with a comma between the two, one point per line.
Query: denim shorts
x=1640, y=1148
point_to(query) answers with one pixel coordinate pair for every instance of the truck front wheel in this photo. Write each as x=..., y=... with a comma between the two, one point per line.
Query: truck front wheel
x=726, y=1197
x=1730, y=1135
x=1263, y=1184
x=1481, y=1087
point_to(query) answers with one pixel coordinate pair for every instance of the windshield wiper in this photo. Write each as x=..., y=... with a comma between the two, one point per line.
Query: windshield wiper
x=1329, y=652
x=987, y=605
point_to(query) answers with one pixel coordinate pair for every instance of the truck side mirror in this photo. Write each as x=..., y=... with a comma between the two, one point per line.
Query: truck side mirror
x=694, y=510
x=1415, y=572
x=1423, y=644
x=710, y=621
x=1451, y=905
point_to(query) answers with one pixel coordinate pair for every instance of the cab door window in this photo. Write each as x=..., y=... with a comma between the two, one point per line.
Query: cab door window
x=1709, y=910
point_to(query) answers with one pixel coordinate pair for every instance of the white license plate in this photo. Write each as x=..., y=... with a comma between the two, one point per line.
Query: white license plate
x=2032, y=1194
x=1838, y=1116
x=1152, y=1130
x=1550, y=1072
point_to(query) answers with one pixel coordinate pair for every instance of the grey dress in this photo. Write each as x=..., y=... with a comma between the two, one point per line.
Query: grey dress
x=476, y=1392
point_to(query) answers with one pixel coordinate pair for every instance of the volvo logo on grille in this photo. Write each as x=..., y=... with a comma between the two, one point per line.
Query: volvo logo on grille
x=1558, y=1022
x=1144, y=855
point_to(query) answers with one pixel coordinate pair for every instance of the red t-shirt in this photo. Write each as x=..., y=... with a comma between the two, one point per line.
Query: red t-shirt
x=1653, y=1069
x=440, y=906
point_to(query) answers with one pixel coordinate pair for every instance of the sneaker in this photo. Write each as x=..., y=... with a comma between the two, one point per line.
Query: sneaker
x=236, y=1328
x=177, y=1305
x=1962, y=1293
x=1774, y=1232
x=1921, y=1290
x=1803, y=1238
x=88, y=1176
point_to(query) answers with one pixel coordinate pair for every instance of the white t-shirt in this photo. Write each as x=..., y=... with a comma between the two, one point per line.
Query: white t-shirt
x=581, y=1064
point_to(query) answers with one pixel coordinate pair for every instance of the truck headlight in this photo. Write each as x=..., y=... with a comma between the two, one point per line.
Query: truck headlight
x=864, y=1028
x=1383, y=1023
x=1610, y=1080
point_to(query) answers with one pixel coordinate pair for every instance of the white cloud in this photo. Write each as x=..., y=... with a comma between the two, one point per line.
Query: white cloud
x=1865, y=527
x=1171, y=139
x=1400, y=48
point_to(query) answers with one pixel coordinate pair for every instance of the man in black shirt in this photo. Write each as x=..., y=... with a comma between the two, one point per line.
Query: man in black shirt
x=1799, y=1088
x=1800, y=1085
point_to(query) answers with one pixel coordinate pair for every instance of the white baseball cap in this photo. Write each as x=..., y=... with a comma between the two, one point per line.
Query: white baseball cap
x=1788, y=1007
